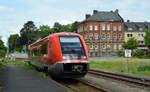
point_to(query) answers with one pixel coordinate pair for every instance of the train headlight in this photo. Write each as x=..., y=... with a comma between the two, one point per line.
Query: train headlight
x=83, y=57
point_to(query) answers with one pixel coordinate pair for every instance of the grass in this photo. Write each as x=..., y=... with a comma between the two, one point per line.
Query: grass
x=135, y=66
x=42, y=74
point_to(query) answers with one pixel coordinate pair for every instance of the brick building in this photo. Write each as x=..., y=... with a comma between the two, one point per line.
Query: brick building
x=136, y=30
x=102, y=32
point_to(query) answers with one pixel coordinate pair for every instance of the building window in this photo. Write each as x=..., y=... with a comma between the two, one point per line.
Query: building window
x=104, y=46
x=96, y=28
x=140, y=29
x=91, y=36
x=96, y=36
x=103, y=27
x=115, y=46
x=115, y=36
x=129, y=28
x=108, y=36
x=119, y=28
x=96, y=46
x=119, y=36
x=103, y=36
x=91, y=46
x=108, y=27
x=140, y=35
x=129, y=35
x=108, y=46
x=141, y=42
x=114, y=28
x=91, y=27
x=120, y=46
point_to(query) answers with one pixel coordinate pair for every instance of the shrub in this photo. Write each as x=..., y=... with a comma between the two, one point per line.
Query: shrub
x=148, y=54
x=139, y=53
x=120, y=53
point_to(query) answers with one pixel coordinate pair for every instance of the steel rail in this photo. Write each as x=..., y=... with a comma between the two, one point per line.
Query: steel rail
x=121, y=77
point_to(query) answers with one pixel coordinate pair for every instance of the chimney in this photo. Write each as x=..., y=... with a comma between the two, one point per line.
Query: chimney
x=128, y=20
x=95, y=11
x=117, y=11
x=87, y=16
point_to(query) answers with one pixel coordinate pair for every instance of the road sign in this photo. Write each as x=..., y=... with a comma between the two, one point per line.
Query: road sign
x=128, y=53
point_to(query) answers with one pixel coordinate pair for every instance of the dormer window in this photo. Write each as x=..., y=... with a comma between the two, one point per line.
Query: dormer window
x=140, y=29
x=129, y=28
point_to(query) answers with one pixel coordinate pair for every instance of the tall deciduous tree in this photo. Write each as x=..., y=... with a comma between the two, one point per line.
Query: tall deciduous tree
x=3, y=49
x=147, y=37
x=57, y=27
x=131, y=44
x=74, y=26
x=28, y=33
x=14, y=43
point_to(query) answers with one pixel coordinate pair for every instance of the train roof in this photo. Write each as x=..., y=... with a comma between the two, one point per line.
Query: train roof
x=44, y=40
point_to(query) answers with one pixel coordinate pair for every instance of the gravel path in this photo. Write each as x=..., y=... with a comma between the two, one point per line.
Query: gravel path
x=17, y=79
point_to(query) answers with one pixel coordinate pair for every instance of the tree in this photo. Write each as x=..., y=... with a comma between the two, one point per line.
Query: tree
x=147, y=38
x=74, y=26
x=14, y=43
x=131, y=44
x=3, y=49
x=28, y=33
x=44, y=31
x=57, y=27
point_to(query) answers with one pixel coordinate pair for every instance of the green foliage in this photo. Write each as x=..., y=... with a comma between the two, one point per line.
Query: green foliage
x=147, y=37
x=14, y=43
x=135, y=66
x=139, y=53
x=148, y=55
x=3, y=49
x=131, y=44
x=143, y=68
x=30, y=33
x=120, y=53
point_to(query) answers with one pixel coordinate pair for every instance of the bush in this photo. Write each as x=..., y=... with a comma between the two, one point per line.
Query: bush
x=148, y=54
x=120, y=53
x=139, y=53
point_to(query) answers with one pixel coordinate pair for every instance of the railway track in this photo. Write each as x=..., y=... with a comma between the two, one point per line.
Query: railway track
x=137, y=81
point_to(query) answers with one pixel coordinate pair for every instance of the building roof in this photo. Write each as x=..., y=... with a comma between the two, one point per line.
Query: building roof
x=105, y=16
x=136, y=26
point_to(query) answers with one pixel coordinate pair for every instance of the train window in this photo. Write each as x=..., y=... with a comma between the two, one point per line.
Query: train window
x=72, y=48
x=44, y=49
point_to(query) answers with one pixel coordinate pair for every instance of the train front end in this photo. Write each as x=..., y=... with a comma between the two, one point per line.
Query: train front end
x=74, y=61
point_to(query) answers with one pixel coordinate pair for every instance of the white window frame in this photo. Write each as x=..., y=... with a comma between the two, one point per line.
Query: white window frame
x=120, y=36
x=120, y=46
x=115, y=36
x=115, y=28
x=140, y=35
x=103, y=26
x=108, y=27
x=91, y=36
x=91, y=46
x=115, y=46
x=130, y=28
x=96, y=45
x=96, y=27
x=104, y=35
x=119, y=27
x=91, y=27
x=96, y=36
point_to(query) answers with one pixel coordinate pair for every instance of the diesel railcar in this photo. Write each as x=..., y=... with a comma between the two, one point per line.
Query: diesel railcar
x=61, y=54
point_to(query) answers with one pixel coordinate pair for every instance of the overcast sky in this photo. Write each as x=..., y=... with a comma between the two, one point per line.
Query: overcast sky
x=14, y=13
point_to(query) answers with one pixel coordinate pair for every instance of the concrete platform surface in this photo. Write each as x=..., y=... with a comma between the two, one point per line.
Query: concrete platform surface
x=17, y=79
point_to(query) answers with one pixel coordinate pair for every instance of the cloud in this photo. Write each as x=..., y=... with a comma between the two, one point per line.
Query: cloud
x=4, y=8
x=64, y=11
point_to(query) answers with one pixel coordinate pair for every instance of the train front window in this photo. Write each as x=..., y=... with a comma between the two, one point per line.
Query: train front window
x=72, y=48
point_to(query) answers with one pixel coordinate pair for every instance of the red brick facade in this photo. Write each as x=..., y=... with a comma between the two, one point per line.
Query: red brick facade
x=102, y=38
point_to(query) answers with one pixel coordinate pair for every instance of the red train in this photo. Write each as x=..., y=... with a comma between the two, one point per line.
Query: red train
x=62, y=55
